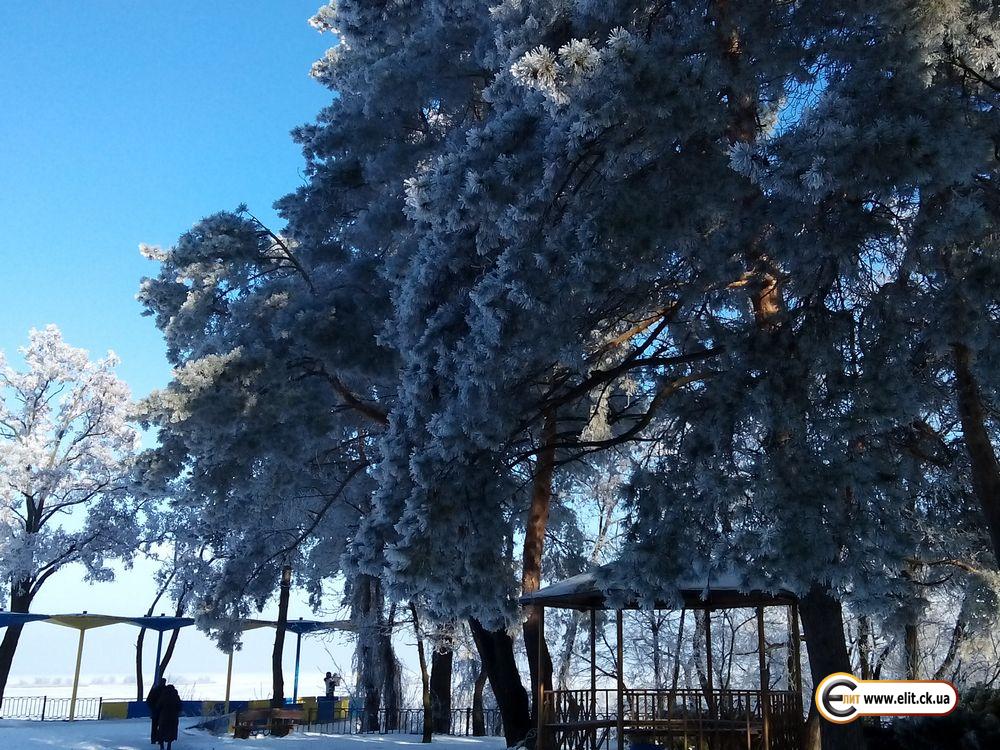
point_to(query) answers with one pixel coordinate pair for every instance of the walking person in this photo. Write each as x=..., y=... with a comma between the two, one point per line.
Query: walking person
x=153, y=702
x=169, y=717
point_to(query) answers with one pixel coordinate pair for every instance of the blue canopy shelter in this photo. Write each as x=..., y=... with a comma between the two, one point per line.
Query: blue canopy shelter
x=19, y=618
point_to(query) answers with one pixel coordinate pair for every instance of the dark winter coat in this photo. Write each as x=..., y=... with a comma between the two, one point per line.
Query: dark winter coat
x=153, y=701
x=169, y=707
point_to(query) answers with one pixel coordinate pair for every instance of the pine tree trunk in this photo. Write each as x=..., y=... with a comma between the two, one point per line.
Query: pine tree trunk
x=440, y=684
x=982, y=456
x=539, y=667
x=823, y=623
x=496, y=650
x=478, y=714
x=911, y=647
x=392, y=690
x=20, y=601
x=277, y=675
x=865, y=651
x=367, y=613
x=425, y=680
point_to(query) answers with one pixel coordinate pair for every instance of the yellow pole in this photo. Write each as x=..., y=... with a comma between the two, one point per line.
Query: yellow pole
x=76, y=676
x=229, y=680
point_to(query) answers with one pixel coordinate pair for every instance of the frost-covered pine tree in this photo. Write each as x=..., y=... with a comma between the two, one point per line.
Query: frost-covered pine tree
x=66, y=451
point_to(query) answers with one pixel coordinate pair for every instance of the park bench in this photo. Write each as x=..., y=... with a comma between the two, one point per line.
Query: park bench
x=277, y=722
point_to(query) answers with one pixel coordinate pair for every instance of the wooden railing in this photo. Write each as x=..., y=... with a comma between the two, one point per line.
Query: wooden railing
x=717, y=720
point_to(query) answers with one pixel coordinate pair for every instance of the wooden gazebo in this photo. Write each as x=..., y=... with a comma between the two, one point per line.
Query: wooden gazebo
x=705, y=719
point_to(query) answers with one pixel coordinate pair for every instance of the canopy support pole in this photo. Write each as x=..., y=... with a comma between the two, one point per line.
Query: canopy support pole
x=76, y=676
x=159, y=651
x=621, y=679
x=229, y=680
x=298, y=653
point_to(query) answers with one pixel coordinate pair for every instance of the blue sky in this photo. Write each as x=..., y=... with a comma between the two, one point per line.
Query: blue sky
x=126, y=121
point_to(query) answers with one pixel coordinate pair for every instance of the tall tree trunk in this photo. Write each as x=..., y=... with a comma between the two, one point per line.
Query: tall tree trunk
x=911, y=648
x=823, y=623
x=982, y=456
x=866, y=647
x=441, y=667
x=20, y=601
x=478, y=714
x=277, y=674
x=496, y=651
x=367, y=613
x=392, y=688
x=425, y=680
x=539, y=661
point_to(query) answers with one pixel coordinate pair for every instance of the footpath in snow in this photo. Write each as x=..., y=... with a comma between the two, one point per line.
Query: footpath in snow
x=133, y=734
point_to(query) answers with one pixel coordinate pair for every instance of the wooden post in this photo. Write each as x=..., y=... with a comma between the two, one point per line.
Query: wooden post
x=76, y=676
x=621, y=679
x=593, y=676
x=540, y=743
x=765, y=680
x=229, y=679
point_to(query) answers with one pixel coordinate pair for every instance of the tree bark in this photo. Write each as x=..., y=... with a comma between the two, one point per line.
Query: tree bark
x=539, y=667
x=911, y=646
x=367, y=613
x=425, y=682
x=823, y=623
x=20, y=601
x=277, y=675
x=982, y=456
x=392, y=690
x=478, y=714
x=440, y=685
x=496, y=651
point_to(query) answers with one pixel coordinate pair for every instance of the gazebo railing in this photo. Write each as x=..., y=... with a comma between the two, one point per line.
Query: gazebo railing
x=716, y=720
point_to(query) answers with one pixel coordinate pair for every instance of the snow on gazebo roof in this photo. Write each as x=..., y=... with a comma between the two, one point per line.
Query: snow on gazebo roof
x=724, y=590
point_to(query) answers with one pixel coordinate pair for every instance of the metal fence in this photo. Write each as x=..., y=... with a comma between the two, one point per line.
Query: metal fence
x=407, y=721
x=404, y=721
x=42, y=708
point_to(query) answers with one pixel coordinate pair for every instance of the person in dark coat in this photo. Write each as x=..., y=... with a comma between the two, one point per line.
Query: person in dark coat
x=153, y=701
x=170, y=713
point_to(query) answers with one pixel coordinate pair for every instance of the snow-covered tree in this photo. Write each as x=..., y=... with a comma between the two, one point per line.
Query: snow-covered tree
x=66, y=452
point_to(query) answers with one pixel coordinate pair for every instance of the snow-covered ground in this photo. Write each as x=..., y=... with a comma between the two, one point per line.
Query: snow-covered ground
x=134, y=735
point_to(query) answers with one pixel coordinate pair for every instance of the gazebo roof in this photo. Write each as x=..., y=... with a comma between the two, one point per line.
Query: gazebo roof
x=715, y=591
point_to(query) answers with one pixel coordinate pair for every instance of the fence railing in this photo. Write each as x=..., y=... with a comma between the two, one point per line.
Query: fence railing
x=408, y=721
x=461, y=721
x=43, y=708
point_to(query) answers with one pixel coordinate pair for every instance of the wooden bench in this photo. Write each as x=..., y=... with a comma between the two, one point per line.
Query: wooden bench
x=277, y=722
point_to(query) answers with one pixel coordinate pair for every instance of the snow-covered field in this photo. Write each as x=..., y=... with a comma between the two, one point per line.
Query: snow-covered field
x=134, y=735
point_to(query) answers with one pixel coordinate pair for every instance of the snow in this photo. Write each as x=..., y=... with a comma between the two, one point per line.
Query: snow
x=133, y=734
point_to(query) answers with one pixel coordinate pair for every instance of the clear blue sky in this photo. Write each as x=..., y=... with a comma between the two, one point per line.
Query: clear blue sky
x=125, y=121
